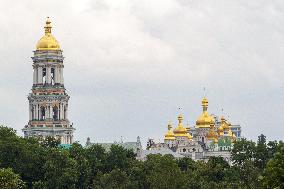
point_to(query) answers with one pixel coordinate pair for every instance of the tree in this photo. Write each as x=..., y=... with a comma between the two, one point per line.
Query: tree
x=243, y=150
x=249, y=175
x=10, y=180
x=78, y=153
x=96, y=156
x=216, y=169
x=25, y=156
x=261, y=152
x=163, y=172
x=119, y=158
x=274, y=171
x=60, y=171
x=116, y=179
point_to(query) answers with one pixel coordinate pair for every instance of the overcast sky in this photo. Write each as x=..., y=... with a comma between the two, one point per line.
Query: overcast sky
x=130, y=64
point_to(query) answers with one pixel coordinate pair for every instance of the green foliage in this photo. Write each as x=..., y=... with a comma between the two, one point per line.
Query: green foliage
x=116, y=179
x=60, y=170
x=163, y=172
x=42, y=165
x=274, y=171
x=243, y=150
x=10, y=180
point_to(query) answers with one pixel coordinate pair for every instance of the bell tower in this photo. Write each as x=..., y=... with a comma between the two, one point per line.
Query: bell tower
x=48, y=100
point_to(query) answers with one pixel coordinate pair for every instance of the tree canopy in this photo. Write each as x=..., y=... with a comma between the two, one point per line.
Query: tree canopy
x=30, y=163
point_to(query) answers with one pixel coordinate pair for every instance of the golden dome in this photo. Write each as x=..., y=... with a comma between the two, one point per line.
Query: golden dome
x=224, y=124
x=212, y=135
x=216, y=140
x=204, y=120
x=47, y=42
x=170, y=134
x=180, y=130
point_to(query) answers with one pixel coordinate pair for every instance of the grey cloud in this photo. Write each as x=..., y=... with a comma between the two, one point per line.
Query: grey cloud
x=130, y=64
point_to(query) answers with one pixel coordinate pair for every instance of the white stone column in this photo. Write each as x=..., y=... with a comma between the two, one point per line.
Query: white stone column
x=67, y=141
x=56, y=75
x=34, y=76
x=48, y=74
x=62, y=111
x=39, y=75
x=39, y=113
x=36, y=112
x=50, y=111
x=30, y=112
x=66, y=111
x=61, y=76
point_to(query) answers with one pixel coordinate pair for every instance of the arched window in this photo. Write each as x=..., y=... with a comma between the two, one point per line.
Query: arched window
x=52, y=76
x=42, y=113
x=44, y=75
x=55, y=113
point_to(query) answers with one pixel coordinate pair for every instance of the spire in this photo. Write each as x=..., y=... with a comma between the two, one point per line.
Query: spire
x=180, y=118
x=170, y=126
x=204, y=104
x=47, y=27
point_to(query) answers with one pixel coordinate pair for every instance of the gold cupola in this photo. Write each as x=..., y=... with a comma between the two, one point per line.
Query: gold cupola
x=189, y=136
x=48, y=41
x=224, y=127
x=170, y=134
x=180, y=130
x=212, y=135
x=204, y=120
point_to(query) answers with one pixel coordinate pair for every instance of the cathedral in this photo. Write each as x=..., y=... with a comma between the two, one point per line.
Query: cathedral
x=48, y=100
x=210, y=136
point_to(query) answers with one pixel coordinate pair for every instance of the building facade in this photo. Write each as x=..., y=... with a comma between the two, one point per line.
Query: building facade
x=48, y=100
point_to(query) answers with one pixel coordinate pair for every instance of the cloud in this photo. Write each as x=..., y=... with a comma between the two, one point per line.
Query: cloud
x=130, y=64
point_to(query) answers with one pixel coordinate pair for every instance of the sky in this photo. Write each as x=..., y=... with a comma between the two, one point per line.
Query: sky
x=131, y=64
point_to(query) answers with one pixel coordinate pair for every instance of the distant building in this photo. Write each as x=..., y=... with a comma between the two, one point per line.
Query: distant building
x=134, y=146
x=48, y=101
x=209, y=137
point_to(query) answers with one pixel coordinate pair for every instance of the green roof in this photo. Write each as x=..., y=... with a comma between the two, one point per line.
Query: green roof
x=65, y=146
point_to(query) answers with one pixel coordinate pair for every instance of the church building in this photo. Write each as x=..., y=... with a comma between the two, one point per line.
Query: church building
x=210, y=136
x=48, y=100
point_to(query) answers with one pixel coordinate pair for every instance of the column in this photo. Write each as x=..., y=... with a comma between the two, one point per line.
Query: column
x=48, y=75
x=39, y=113
x=62, y=111
x=56, y=74
x=58, y=111
x=30, y=112
x=34, y=117
x=66, y=111
x=39, y=75
x=49, y=112
x=36, y=112
x=67, y=141
x=61, y=76
x=34, y=76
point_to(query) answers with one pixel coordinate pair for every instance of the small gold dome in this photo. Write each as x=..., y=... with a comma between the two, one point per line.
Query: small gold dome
x=212, y=135
x=215, y=140
x=180, y=130
x=48, y=41
x=204, y=120
x=170, y=134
